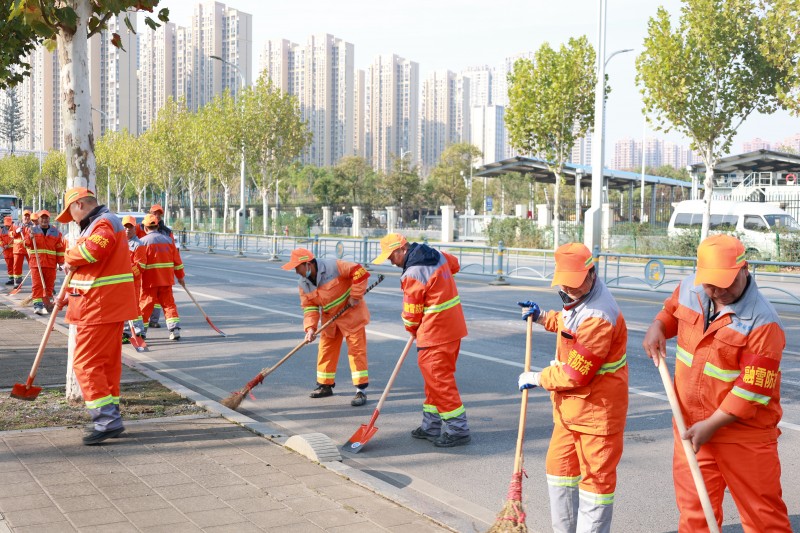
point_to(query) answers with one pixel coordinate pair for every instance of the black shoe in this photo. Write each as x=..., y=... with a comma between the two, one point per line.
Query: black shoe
x=420, y=433
x=10, y=281
x=153, y=325
x=96, y=437
x=359, y=399
x=446, y=440
x=322, y=391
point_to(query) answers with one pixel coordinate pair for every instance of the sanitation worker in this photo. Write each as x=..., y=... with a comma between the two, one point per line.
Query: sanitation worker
x=727, y=379
x=101, y=298
x=20, y=253
x=157, y=211
x=7, y=245
x=137, y=253
x=48, y=253
x=161, y=264
x=432, y=313
x=588, y=383
x=327, y=285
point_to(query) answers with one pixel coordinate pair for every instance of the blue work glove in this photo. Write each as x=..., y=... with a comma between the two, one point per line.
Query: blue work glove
x=530, y=309
x=528, y=380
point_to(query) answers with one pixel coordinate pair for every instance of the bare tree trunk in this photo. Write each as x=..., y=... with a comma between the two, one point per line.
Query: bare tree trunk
x=556, y=210
x=225, y=209
x=191, y=205
x=265, y=208
x=710, y=162
x=73, y=59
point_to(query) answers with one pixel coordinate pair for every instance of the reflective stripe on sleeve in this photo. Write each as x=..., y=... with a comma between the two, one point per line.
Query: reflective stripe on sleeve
x=443, y=306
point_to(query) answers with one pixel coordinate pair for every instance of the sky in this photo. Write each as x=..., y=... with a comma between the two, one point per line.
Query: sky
x=456, y=34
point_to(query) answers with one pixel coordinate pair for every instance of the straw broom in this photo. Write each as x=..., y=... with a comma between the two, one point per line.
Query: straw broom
x=511, y=519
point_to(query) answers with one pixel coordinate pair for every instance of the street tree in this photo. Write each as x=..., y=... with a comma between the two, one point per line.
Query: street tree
x=706, y=75
x=54, y=174
x=355, y=174
x=551, y=104
x=401, y=186
x=189, y=151
x=223, y=128
x=781, y=47
x=12, y=127
x=447, y=177
x=274, y=135
x=329, y=191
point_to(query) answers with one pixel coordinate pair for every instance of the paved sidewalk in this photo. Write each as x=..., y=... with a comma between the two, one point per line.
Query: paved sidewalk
x=195, y=473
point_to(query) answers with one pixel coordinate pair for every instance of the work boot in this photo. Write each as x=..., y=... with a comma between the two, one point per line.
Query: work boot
x=175, y=334
x=40, y=310
x=96, y=437
x=10, y=281
x=420, y=433
x=446, y=440
x=153, y=325
x=322, y=391
x=359, y=399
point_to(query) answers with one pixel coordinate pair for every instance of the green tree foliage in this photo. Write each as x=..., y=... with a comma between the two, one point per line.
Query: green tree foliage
x=447, y=177
x=781, y=46
x=12, y=128
x=17, y=41
x=330, y=191
x=401, y=186
x=355, y=174
x=54, y=174
x=705, y=76
x=551, y=103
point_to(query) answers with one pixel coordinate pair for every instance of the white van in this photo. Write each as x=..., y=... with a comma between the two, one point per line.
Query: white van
x=756, y=224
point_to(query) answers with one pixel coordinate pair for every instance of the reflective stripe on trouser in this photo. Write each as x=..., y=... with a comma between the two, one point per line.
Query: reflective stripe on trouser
x=754, y=484
x=138, y=325
x=98, y=369
x=438, y=367
x=19, y=262
x=591, y=461
x=162, y=295
x=155, y=316
x=328, y=356
x=37, y=291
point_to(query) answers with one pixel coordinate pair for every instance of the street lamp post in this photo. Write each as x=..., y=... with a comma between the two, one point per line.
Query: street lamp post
x=275, y=256
x=240, y=212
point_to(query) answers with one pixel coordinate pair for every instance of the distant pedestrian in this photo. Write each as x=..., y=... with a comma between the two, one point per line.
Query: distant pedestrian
x=157, y=211
x=326, y=286
x=45, y=246
x=101, y=298
x=161, y=264
x=432, y=313
x=137, y=253
x=728, y=382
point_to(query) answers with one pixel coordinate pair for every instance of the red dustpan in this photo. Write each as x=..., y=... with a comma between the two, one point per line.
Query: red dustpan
x=366, y=431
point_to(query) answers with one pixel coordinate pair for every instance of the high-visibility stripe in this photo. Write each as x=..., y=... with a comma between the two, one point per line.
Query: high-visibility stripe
x=359, y=374
x=44, y=251
x=326, y=375
x=443, y=306
x=337, y=301
x=596, y=499
x=115, y=400
x=85, y=253
x=454, y=413
x=307, y=310
x=100, y=282
x=720, y=373
x=428, y=408
x=610, y=368
x=175, y=320
x=100, y=402
x=158, y=265
x=563, y=481
x=750, y=396
x=410, y=323
x=684, y=357
x=179, y=267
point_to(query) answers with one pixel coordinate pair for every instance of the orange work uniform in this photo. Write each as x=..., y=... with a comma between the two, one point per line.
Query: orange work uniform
x=47, y=254
x=101, y=298
x=337, y=281
x=588, y=385
x=137, y=257
x=729, y=362
x=160, y=263
x=7, y=245
x=432, y=313
x=19, y=232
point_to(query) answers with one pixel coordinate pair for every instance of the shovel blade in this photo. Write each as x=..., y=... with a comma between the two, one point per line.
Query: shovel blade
x=360, y=438
x=24, y=392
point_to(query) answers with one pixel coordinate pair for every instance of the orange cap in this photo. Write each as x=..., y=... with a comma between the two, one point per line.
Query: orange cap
x=149, y=221
x=26, y=212
x=8, y=221
x=389, y=244
x=128, y=219
x=155, y=208
x=44, y=213
x=719, y=259
x=298, y=257
x=75, y=193
x=34, y=216
x=573, y=261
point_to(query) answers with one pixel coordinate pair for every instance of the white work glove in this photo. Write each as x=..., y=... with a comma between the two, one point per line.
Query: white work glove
x=310, y=335
x=528, y=380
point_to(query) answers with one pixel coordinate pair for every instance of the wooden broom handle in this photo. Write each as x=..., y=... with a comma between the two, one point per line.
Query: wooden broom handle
x=523, y=410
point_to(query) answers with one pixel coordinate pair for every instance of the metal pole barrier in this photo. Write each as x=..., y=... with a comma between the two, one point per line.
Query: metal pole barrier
x=365, y=262
x=499, y=280
x=210, y=243
x=240, y=245
x=316, y=245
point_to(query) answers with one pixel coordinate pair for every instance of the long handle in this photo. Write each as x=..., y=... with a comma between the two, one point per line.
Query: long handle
x=19, y=288
x=51, y=321
x=699, y=483
x=195, y=301
x=388, y=387
x=523, y=410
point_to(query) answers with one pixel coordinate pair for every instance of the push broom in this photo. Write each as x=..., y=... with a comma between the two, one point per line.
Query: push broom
x=511, y=519
x=235, y=399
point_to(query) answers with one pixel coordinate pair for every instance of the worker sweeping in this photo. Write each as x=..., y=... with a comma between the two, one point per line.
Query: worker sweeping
x=137, y=254
x=20, y=231
x=7, y=245
x=157, y=211
x=588, y=382
x=161, y=264
x=45, y=246
x=326, y=286
x=728, y=382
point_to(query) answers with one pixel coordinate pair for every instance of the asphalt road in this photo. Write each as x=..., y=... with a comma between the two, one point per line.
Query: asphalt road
x=256, y=304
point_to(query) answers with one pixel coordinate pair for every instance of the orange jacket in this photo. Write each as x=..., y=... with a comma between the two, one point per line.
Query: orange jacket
x=101, y=289
x=6, y=240
x=19, y=233
x=733, y=365
x=49, y=247
x=160, y=262
x=431, y=304
x=589, y=386
x=337, y=282
x=137, y=258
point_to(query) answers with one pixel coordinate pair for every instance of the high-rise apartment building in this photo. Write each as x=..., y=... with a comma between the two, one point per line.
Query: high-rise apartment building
x=444, y=116
x=792, y=143
x=157, y=72
x=756, y=144
x=360, y=113
x=392, y=110
x=488, y=132
x=480, y=85
x=581, y=153
x=627, y=154
x=500, y=77
x=39, y=99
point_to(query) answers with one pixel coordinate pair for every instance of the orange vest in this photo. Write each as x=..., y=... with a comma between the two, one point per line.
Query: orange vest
x=431, y=304
x=337, y=282
x=160, y=262
x=589, y=385
x=734, y=365
x=101, y=289
x=6, y=240
x=19, y=233
x=49, y=247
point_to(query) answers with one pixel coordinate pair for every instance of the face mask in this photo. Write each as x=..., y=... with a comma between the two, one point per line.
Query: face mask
x=565, y=297
x=308, y=272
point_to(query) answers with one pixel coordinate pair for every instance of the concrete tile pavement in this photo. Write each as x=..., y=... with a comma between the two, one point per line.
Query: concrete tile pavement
x=193, y=473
